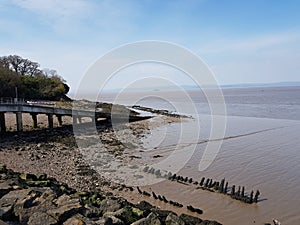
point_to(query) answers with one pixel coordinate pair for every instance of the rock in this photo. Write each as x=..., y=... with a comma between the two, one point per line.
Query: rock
x=3, y=223
x=151, y=219
x=22, y=207
x=190, y=220
x=5, y=187
x=91, y=211
x=126, y=214
x=66, y=207
x=38, y=218
x=27, y=176
x=40, y=183
x=41, y=176
x=173, y=219
x=8, y=201
x=74, y=221
x=112, y=220
x=51, y=205
x=79, y=219
x=109, y=205
x=137, y=212
x=3, y=168
x=144, y=206
x=161, y=214
x=6, y=212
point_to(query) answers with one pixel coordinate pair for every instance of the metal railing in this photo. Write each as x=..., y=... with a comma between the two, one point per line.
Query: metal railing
x=7, y=100
x=22, y=101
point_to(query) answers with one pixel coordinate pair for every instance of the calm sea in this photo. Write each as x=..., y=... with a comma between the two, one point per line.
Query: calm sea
x=260, y=150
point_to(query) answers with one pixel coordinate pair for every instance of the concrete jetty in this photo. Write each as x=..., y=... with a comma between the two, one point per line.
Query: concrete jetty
x=34, y=109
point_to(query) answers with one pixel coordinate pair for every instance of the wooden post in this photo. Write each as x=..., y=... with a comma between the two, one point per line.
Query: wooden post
x=34, y=120
x=74, y=119
x=93, y=119
x=2, y=122
x=59, y=118
x=50, y=120
x=19, y=121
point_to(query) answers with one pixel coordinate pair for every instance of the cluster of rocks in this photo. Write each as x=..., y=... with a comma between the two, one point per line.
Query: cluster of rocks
x=209, y=184
x=159, y=111
x=37, y=199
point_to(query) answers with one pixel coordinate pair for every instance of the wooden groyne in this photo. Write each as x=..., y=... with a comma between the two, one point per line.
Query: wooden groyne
x=208, y=184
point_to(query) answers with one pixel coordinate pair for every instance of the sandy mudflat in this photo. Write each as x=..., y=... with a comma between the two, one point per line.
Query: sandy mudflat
x=55, y=153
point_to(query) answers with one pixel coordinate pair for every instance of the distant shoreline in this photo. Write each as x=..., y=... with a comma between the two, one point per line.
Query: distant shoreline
x=192, y=88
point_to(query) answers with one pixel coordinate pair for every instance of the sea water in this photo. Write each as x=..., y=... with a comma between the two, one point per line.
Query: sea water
x=260, y=150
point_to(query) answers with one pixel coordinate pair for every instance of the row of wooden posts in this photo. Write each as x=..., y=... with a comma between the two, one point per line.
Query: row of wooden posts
x=209, y=184
x=164, y=199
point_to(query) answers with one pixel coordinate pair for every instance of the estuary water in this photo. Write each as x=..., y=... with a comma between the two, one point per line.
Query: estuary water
x=260, y=150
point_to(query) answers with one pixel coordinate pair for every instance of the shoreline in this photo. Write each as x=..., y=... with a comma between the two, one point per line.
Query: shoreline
x=36, y=199
x=54, y=152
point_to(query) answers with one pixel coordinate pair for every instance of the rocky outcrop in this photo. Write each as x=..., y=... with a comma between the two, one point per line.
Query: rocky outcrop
x=36, y=199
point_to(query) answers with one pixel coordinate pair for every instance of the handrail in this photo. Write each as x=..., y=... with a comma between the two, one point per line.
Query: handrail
x=22, y=101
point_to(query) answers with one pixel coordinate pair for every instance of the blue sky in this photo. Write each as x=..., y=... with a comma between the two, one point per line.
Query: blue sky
x=254, y=41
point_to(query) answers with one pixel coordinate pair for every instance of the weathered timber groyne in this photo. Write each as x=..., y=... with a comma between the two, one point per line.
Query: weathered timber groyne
x=211, y=185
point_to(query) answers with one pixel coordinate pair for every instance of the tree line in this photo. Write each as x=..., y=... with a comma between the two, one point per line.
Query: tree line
x=31, y=81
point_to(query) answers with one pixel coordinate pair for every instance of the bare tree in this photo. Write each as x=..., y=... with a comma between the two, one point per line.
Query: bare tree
x=19, y=65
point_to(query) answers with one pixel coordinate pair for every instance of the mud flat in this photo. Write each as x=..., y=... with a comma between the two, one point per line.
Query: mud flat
x=47, y=162
x=55, y=153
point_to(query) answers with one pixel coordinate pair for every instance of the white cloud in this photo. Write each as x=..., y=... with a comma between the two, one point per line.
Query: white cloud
x=251, y=44
x=265, y=58
x=79, y=16
x=62, y=16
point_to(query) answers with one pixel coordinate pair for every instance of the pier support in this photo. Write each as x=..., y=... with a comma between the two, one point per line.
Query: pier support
x=19, y=121
x=74, y=119
x=2, y=122
x=50, y=120
x=34, y=120
x=59, y=118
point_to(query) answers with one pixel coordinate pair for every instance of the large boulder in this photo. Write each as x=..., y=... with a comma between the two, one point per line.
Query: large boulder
x=109, y=205
x=5, y=187
x=190, y=220
x=8, y=201
x=173, y=219
x=39, y=218
x=66, y=207
x=112, y=220
x=151, y=219
x=127, y=214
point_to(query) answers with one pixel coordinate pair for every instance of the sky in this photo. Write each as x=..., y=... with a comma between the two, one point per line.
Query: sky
x=254, y=41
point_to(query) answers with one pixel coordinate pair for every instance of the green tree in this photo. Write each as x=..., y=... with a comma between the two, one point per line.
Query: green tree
x=32, y=82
